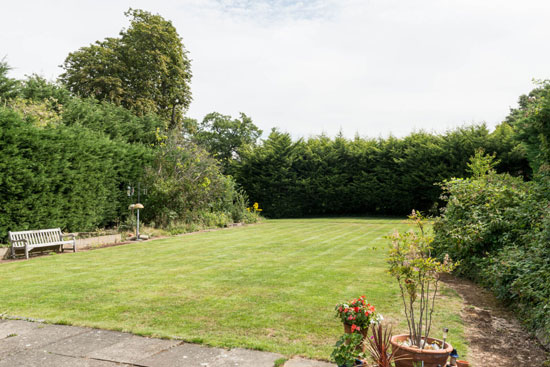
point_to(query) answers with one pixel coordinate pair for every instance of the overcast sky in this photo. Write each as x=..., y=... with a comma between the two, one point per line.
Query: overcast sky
x=372, y=67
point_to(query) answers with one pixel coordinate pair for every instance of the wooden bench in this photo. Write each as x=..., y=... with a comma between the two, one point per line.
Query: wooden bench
x=40, y=238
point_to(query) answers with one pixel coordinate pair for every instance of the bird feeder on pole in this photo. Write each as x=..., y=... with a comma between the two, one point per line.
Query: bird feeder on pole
x=137, y=206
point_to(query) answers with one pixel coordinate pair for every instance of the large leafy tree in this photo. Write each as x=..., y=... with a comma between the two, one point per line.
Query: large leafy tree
x=531, y=122
x=225, y=137
x=146, y=69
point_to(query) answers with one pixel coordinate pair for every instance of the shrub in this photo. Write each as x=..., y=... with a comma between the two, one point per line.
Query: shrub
x=62, y=176
x=185, y=185
x=499, y=227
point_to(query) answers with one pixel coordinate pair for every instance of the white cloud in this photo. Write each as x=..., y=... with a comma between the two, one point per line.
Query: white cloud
x=373, y=67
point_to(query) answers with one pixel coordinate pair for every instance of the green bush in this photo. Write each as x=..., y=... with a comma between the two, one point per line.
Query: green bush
x=482, y=215
x=338, y=176
x=185, y=185
x=62, y=176
x=116, y=122
x=499, y=228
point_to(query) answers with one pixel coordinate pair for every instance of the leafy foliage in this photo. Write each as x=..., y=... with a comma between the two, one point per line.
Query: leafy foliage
x=358, y=313
x=114, y=121
x=224, y=138
x=498, y=226
x=76, y=155
x=379, y=347
x=531, y=123
x=62, y=176
x=184, y=181
x=483, y=214
x=345, y=351
x=145, y=70
x=8, y=86
x=324, y=176
x=417, y=274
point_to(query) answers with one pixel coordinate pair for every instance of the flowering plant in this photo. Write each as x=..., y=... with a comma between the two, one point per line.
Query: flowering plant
x=254, y=208
x=358, y=313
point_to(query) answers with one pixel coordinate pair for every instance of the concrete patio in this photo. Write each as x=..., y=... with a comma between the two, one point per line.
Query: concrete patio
x=24, y=343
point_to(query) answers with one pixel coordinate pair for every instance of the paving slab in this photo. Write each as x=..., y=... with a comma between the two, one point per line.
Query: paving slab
x=16, y=327
x=246, y=358
x=133, y=349
x=40, y=358
x=38, y=337
x=184, y=354
x=24, y=343
x=91, y=340
x=302, y=362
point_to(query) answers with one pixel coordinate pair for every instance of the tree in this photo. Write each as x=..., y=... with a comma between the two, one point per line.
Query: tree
x=8, y=86
x=224, y=137
x=267, y=174
x=531, y=122
x=145, y=70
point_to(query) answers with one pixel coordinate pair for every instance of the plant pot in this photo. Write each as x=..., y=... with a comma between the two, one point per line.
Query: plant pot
x=358, y=363
x=460, y=363
x=406, y=356
x=362, y=347
x=347, y=330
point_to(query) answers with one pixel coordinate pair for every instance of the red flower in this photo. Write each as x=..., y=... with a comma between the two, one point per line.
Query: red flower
x=356, y=309
x=355, y=327
x=340, y=309
x=350, y=317
x=371, y=308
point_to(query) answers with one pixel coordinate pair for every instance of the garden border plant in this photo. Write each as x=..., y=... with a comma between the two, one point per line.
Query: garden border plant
x=418, y=274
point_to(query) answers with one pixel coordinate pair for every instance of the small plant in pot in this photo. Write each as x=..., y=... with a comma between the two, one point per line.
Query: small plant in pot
x=380, y=348
x=417, y=274
x=357, y=315
x=345, y=352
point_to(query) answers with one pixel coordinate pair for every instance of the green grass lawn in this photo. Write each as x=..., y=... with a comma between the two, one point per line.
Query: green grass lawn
x=271, y=286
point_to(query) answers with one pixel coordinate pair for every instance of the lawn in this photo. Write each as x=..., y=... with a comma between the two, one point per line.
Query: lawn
x=271, y=286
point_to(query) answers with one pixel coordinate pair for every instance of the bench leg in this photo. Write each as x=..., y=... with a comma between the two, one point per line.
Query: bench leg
x=74, y=245
x=13, y=252
x=26, y=251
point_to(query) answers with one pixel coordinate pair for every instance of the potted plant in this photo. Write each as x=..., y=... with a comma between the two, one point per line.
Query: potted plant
x=357, y=315
x=345, y=352
x=417, y=274
x=379, y=346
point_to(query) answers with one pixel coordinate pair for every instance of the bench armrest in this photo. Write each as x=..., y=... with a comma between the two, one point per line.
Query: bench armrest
x=20, y=240
x=68, y=235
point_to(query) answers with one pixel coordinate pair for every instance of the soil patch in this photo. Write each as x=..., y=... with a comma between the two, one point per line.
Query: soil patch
x=495, y=336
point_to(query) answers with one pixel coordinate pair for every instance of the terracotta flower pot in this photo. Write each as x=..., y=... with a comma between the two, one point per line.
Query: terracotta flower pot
x=362, y=347
x=406, y=356
x=460, y=363
x=347, y=330
x=358, y=363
